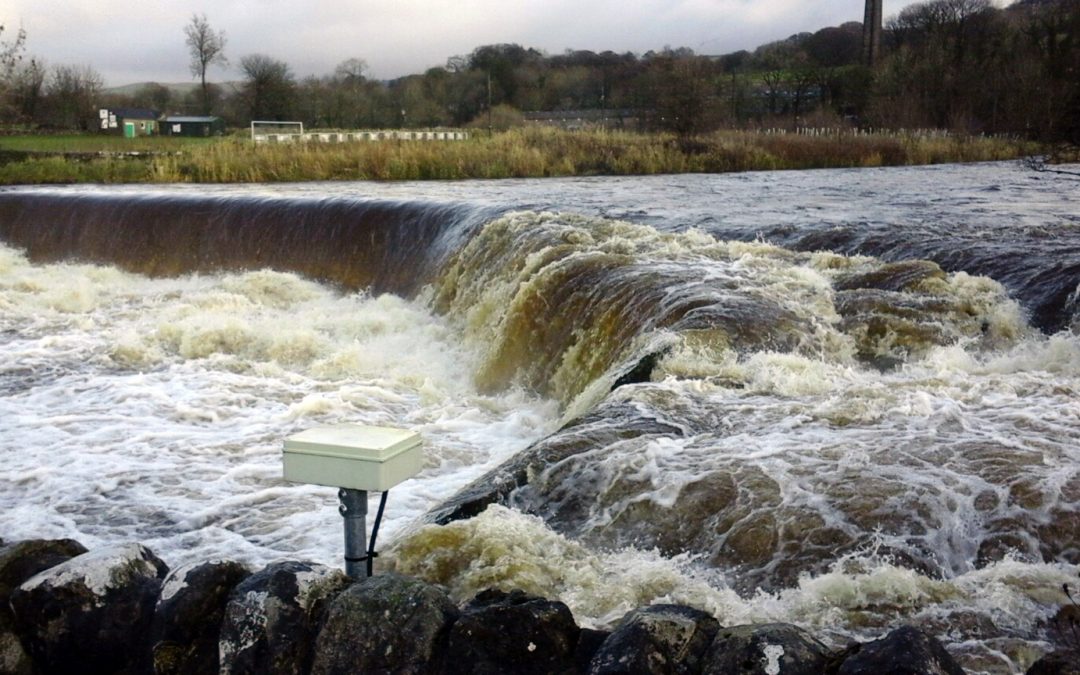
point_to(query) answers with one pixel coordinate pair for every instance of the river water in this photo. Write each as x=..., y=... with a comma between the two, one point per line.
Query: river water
x=845, y=399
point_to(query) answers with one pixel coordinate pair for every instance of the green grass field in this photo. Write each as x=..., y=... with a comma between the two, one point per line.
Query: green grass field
x=92, y=143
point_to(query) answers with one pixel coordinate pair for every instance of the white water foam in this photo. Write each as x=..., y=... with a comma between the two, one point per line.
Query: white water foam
x=135, y=409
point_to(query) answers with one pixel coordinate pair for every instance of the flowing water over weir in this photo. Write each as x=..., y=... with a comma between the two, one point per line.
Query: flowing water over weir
x=846, y=421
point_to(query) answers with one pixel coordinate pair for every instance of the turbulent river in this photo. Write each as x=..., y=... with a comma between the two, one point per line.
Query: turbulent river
x=843, y=399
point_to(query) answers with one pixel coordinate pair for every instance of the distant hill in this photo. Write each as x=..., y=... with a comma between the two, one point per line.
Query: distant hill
x=177, y=88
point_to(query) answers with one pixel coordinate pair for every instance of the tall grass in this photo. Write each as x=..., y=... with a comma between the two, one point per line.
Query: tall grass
x=519, y=153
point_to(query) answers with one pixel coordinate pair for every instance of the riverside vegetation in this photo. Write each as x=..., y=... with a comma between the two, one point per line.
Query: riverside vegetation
x=517, y=153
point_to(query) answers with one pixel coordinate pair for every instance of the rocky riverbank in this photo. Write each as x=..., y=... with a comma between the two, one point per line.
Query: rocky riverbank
x=121, y=610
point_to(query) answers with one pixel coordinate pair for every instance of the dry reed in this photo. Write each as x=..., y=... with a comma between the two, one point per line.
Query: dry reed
x=519, y=153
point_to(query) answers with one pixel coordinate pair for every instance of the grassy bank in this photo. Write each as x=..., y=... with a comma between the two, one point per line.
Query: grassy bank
x=521, y=153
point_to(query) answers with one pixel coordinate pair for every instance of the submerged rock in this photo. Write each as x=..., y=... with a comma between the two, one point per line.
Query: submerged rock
x=904, y=651
x=383, y=624
x=765, y=649
x=657, y=639
x=891, y=276
x=272, y=617
x=91, y=613
x=187, y=619
x=581, y=435
x=513, y=633
x=642, y=370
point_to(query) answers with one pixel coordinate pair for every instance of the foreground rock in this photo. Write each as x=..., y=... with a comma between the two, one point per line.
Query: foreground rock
x=110, y=612
x=187, y=619
x=657, y=639
x=513, y=633
x=387, y=623
x=18, y=562
x=90, y=614
x=272, y=617
x=905, y=651
x=773, y=648
x=1062, y=662
x=23, y=559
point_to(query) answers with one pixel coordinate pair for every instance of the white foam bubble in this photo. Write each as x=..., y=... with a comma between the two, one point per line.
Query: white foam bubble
x=157, y=413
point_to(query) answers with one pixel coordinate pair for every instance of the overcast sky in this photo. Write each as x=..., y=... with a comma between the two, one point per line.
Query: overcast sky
x=138, y=42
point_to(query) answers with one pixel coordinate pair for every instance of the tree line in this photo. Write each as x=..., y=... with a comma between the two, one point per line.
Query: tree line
x=964, y=65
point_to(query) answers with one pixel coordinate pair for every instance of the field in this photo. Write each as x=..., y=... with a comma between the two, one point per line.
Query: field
x=519, y=153
x=81, y=143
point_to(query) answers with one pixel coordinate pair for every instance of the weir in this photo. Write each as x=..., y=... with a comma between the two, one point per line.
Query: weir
x=382, y=246
x=762, y=428
x=561, y=302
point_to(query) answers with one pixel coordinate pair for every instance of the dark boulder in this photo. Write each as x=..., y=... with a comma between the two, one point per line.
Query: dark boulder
x=18, y=562
x=657, y=639
x=23, y=559
x=589, y=642
x=765, y=649
x=386, y=623
x=272, y=617
x=187, y=619
x=904, y=651
x=513, y=632
x=1061, y=662
x=91, y=613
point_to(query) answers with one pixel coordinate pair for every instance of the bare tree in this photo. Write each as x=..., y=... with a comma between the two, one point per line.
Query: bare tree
x=351, y=71
x=207, y=48
x=10, y=55
x=27, y=89
x=11, y=52
x=71, y=92
x=269, y=87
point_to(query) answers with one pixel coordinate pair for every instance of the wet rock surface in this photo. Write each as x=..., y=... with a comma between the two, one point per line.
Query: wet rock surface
x=513, y=632
x=904, y=651
x=387, y=623
x=657, y=639
x=187, y=619
x=91, y=613
x=118, y=610
x=581, y=435
x=272, y=618
x=1062, y=662
x=21, y=560
x=18, y=562
x=763, y=649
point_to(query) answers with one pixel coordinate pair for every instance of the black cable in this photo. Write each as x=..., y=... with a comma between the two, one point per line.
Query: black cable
x=371, y=554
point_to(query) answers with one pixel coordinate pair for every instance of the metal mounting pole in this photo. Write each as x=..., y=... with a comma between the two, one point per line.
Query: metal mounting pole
x=353, y=509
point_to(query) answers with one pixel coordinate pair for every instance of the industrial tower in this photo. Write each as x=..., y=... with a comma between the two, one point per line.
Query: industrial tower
x=871, y=31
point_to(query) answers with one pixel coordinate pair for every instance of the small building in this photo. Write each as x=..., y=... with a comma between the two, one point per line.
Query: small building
x=193, y=125
x=129, y=122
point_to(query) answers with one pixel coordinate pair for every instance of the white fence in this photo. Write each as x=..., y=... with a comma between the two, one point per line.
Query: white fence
x=837, y=132
x=360, y=136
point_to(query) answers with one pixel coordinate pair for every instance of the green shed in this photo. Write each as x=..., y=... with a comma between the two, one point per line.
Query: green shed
x=192, y=125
